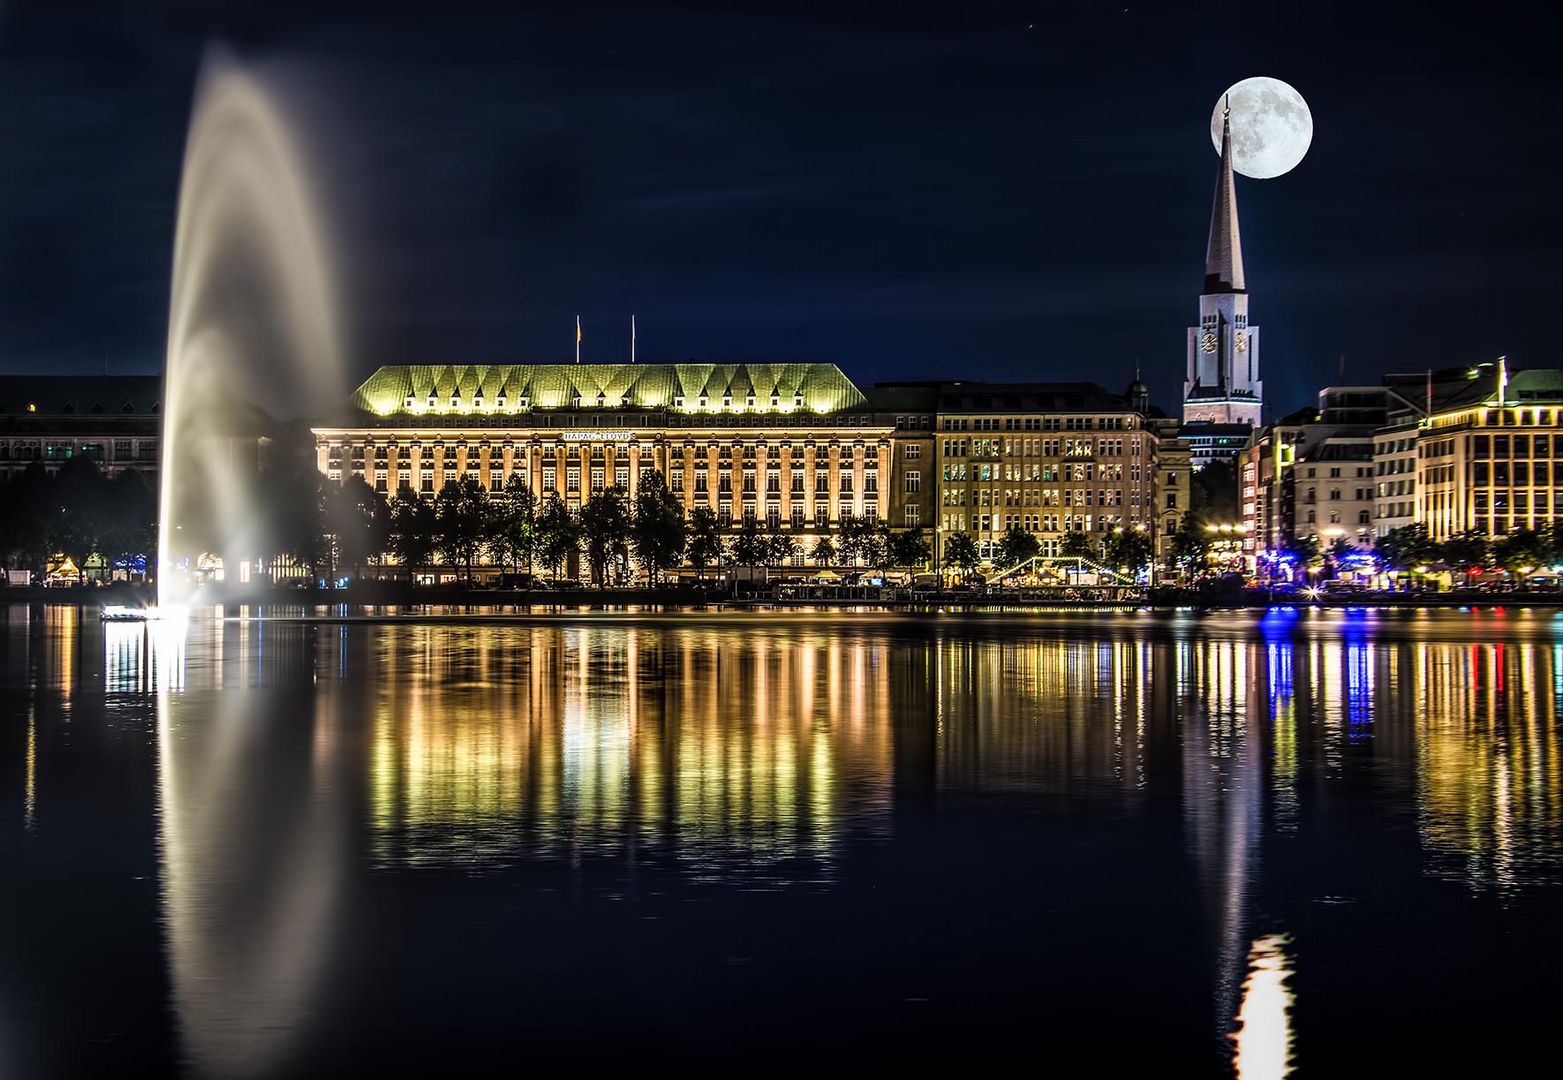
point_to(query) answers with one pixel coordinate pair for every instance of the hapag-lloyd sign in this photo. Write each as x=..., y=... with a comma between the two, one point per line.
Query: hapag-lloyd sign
x=597, y=436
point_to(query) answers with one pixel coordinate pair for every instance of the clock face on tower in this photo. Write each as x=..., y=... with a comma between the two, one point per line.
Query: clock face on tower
x=1240, y=342
x=1208, y=343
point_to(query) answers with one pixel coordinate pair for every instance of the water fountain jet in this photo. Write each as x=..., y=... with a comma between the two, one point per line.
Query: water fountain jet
x=253, y=323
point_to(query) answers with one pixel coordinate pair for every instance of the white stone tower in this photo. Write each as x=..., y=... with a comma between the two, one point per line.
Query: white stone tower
x=1223, y=384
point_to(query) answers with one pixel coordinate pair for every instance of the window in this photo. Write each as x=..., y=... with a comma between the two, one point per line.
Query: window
x=913, y=451
x=914, y=481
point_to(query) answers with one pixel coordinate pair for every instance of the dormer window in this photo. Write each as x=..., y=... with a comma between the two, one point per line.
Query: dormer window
x=407, y=402
x=575, y=401
x=704, y=401
x=678, y=402
x=797, y=401
x=525, y=401
x=499, y=402
x=749, y=402
x=433, y=401
x=455, y=401
x=727, y=402
x=602, y=399
x=775, y=402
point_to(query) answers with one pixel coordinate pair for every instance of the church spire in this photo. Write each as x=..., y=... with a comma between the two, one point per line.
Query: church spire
x=1224, y=254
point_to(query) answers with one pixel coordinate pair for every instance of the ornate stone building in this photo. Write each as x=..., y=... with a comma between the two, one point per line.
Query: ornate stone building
x=114, y=420
x=797, y=447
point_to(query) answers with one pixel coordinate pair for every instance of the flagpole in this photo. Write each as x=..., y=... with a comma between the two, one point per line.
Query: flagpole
x=632, y=339
x=577, y=339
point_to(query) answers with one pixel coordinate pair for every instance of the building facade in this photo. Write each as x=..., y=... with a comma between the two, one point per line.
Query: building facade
x=1488, y=454
x=113, y=420
x=797, y=448
x=794, y=447
x=1049, y=458
x=1312, y=476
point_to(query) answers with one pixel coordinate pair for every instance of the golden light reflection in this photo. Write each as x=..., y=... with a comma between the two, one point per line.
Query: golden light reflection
x=725, y=751
x=30, y=788
x=1489, y=778
x=1262, y=1045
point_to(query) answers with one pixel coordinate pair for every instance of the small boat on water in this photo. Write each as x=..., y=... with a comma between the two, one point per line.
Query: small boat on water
x=126, y=613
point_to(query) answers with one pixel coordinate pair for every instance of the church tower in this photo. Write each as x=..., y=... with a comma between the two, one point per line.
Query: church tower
x=1223, y=385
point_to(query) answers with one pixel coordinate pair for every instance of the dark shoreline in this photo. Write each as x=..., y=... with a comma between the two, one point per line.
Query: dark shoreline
x=686, y=601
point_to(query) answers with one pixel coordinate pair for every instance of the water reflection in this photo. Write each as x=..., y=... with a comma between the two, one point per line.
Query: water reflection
x=253, y=845
x=733, y=755
x=1262, y=1043
x=308, y=774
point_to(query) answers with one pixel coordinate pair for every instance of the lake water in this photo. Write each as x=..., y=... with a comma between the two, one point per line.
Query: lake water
x=1123, y=844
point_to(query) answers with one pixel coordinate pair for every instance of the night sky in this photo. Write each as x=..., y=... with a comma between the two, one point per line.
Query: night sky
x=911, y=191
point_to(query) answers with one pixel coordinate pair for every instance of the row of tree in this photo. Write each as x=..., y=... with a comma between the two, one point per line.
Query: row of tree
x=1521, y=551
x=614, y=534
x=79, y=512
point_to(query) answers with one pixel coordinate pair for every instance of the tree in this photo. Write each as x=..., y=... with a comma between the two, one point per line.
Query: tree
x=780, y=547
x=658, y=533
x=1214, y=492
x=461, y=515
x=960, y=551
x=1404, y=548
x=413, y=524
x=25, y=523
x=1339, y=549
x=824, y=551
x=1017, y=546
x=909, y=549
x=1129, y=549
x=1191, y=543
x=558, y=534
x=512, y=531
x=359, y=519
x=1078, y=545
x=294, y=501
x=749, y=546
x=130, y=531
x=1522, y=551
x=76, y=511
x=1303, y=550
x=703, y=541
x=605, y=527
x=1467, y=551
x=865, y=540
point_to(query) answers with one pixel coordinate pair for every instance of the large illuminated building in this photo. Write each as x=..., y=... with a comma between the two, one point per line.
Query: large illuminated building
x=1223, y=385
x=1049, y=458
x=113, y=420
x=796, y=447
x=1488, y=454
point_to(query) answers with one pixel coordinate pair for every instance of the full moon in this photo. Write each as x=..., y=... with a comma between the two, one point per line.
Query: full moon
x=1271, y=127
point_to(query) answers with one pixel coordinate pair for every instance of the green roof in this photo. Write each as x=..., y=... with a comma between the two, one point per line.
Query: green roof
x=422, y=389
